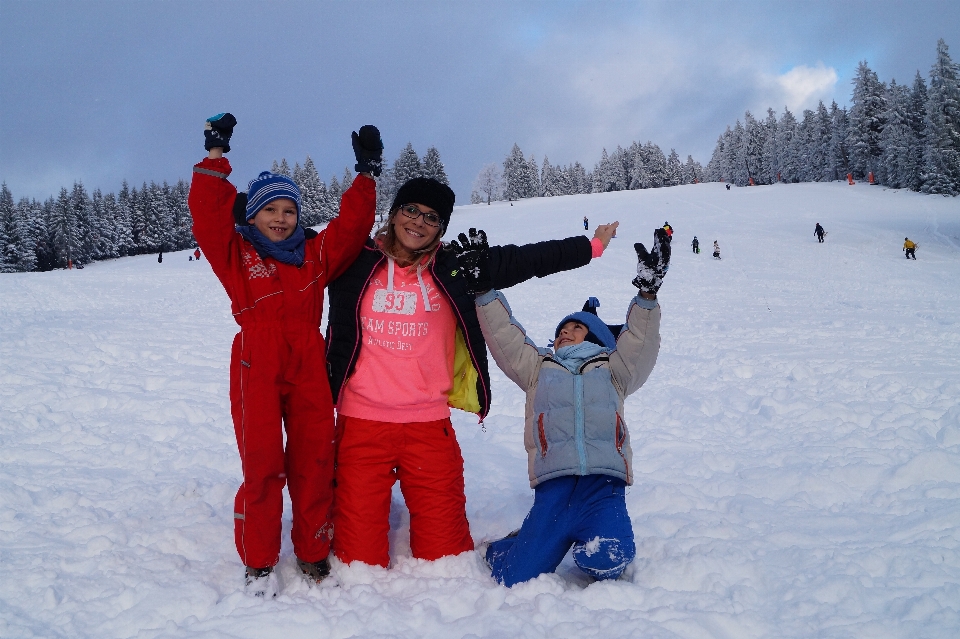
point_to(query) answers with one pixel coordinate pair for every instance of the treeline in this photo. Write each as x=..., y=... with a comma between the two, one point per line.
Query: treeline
x=639, y=166
x=77, y=228
x=905, y=136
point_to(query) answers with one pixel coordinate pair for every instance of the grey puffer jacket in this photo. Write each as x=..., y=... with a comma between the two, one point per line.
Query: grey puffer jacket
x=574, y=421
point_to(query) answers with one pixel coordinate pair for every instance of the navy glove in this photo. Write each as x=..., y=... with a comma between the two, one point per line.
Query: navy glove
x=368, y=147
x=473, y=255
x=653, y=265
x=218, y=130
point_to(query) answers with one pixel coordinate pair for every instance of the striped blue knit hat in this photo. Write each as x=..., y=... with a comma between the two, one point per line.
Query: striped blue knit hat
x=268, y=187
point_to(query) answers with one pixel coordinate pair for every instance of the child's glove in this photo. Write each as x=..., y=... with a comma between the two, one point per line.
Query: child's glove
x=218, y=130
x=473, y=255
x=652, y=266
x=368, y=147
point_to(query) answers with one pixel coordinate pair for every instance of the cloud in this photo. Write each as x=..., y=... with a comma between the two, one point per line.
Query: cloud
x=802, y=87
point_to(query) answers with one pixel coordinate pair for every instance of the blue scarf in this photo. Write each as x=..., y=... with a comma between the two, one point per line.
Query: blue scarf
x=572, y=357
x=288, y=251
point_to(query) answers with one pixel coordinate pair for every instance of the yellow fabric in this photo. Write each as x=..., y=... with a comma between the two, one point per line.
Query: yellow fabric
x=464, y=394
x=909, y=244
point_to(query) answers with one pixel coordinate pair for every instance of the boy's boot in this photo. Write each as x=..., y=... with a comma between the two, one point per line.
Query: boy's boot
x=316, y=571
x=261, y=582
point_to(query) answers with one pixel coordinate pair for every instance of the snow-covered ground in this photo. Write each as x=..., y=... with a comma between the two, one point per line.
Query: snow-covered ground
x=797, y=447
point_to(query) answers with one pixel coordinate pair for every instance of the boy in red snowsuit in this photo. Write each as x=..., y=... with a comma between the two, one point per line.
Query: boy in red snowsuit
x=275, y=271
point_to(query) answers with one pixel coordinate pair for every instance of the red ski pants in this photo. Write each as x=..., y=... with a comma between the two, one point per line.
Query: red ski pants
x=425, y=457
x=277, y=381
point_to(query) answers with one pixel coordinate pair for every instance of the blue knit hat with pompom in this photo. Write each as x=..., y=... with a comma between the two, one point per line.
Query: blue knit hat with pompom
x=598, y=332
x=268, y=187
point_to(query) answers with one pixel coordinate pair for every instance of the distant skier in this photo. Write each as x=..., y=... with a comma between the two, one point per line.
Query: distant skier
x=819, y=232
x=728, y=187
x=716, y=250
x=695, y=244
x=586, y=223
x=160, y=257
x=196, y=254
x=909, y=248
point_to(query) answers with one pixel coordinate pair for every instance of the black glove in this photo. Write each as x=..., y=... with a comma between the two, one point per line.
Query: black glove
x=652, y=266
x=473, y=255
x=368, y=147
x=218, y=130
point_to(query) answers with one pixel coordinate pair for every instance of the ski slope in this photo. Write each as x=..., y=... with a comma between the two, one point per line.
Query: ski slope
x=797, y=447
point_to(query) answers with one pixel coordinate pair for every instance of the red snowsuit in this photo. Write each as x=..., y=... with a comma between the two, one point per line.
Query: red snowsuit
x=276, y=376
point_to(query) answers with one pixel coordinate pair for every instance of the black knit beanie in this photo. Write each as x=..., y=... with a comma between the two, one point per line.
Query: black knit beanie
x=429, y=192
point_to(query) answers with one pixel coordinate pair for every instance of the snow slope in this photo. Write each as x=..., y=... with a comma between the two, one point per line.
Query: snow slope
x=797, y=447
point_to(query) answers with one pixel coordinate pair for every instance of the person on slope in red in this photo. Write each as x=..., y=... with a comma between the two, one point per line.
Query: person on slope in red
x=404, y=346
x=274, y=272
x=196, y=254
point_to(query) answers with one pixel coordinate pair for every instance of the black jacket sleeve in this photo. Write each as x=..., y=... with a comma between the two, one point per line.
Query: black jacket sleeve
x=511, y=264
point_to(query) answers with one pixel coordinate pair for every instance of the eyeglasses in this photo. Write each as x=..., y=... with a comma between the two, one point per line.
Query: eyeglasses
x=430, y=219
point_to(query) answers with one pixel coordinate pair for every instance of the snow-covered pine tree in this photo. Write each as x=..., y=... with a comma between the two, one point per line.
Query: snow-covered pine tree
x=787, y=146
x=311, y=202
x=284, y=168
x=804, y=145
x=83, y=218
x=347, y=179
x=182, y=222
x=386, y=190
x=122, y=236
x=138, y=214
x=561, y=179
x=600, y=170
x=489, y=182
x=516, y=175
x=941, y=158
x=128, y=237
x=8, y=260
x=29, y=226
x=916, y=118
x=897, y=138
x=433, y=167
x=103, y=228
x=692, y=171
x=334, y=193
x=865, y=122
x=656, y=164
x=837, y=164
x=63, y=229
x=741, y=167
x=579, y=182
x=769, y=153
x=674, y=170
x=154, y=215
x=820, y=138
x=638, y=168
x=406, y=167
x=714, y=171
x=533, y=177
x=548, y=182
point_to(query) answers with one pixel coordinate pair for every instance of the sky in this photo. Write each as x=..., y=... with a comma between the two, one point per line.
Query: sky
x=103, y=92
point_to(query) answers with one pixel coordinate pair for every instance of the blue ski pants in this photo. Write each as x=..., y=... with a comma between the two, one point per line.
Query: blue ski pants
x=587, y=512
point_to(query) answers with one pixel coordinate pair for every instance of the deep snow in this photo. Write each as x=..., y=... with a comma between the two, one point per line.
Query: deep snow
x=797, y=447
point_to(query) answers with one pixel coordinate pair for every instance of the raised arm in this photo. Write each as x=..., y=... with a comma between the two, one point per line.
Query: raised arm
x=211, y=195
x=639, y=342
x=517, y=356
x=346, y=234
